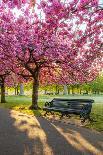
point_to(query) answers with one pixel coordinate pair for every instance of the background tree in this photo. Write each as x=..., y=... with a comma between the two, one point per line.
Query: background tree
x=6, y=61
x=64, y=46
x=5, y=78
x=17, y=3
x=97, y=85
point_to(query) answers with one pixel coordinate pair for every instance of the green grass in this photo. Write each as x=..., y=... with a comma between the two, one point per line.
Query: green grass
x=22, y=103
x=97, y=116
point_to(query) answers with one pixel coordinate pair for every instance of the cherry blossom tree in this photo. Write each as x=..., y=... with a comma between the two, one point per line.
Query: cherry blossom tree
x=4, y=66
x=6, y=78
x=7, y=50
x=60, y=44
x=18, y=3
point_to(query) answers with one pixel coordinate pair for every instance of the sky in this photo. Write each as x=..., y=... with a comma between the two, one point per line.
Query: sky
x=17, y=12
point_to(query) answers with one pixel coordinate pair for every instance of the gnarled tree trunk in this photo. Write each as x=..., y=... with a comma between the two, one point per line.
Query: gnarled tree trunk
x=35, y=91
x=3, y=91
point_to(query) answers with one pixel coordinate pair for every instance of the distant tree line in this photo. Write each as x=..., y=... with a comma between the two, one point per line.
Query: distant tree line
x=94, y=87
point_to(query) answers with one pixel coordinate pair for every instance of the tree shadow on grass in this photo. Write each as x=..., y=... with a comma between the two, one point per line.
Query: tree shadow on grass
x=23, y=135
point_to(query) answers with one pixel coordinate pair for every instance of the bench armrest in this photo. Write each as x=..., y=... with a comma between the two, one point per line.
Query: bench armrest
x=47, y=104
x=86, y=110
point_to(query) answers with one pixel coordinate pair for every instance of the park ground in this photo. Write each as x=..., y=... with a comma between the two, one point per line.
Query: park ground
x=22, y=134
x=22, y=103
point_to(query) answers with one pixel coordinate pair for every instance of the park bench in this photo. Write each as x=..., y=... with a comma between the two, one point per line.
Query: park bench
x=85, y=93
x=66, y=107
x=49, y=93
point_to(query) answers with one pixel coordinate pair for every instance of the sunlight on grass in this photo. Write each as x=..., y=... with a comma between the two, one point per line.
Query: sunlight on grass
x=22, y=103
x=97, y=116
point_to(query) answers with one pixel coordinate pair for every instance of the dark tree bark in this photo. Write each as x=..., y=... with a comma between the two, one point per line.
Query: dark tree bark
x=15, y=90
x=35, y=91
x=80, y=91
x=72, y=88
x=56, y=90
x=3, y=91
x=86, y=91
x=68, y=90
x=95, y=92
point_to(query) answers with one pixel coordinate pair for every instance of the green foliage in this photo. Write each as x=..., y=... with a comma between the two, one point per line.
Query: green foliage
x=97, y=85
x=28, y=86
x=22, y=103
x=51, y=88
x=97, y=115
x=86, y=87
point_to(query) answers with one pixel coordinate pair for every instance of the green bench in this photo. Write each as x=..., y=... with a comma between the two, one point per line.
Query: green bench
x=66, y=107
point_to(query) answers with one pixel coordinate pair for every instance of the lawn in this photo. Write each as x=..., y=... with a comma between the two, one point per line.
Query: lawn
x=22, y=103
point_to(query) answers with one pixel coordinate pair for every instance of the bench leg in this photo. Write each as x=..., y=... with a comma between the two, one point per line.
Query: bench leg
x=82, y=121
x=85, y=118
x=61, y=116
x=52, y=113
x=68, y=115
x=90, y=119
x=45, y=113
x=48, y=112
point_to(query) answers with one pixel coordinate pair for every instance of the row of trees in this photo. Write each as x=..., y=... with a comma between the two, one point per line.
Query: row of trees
x=56, y=43
x=94, y=87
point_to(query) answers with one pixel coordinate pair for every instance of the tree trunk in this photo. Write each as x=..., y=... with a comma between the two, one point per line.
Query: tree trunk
x=56, y=90
x=21, y=89
x=86, y=91
x=7, y=91
x=45, y=91
x=68, y=90
x=3, y=92
x=65, y=90
x=35, y=92
x=15, y=90
x=80, y=91
x=72, y=90
x=98, y=92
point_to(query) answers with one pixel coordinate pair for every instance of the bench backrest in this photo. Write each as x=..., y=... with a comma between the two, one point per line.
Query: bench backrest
x=60, y=103
x=71, y=103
